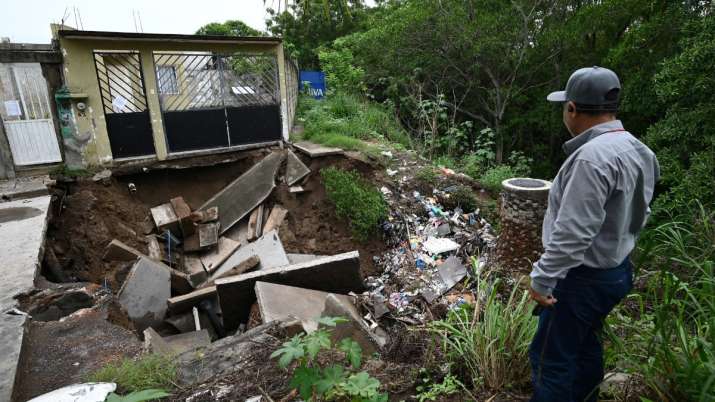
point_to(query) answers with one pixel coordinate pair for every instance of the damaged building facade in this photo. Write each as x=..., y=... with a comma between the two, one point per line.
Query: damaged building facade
x=104, y=99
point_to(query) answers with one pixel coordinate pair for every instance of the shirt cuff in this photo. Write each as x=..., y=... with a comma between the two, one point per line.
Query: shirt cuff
x=543, y=286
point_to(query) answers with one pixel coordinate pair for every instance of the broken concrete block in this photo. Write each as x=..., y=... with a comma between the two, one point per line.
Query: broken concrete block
x=186, y=322
x=282, y=303
x=145, y=292
x=242, y=195
x=91, y=391
x=208, y=235
x=178, y=304
x=180, y=283
x=175, y=344
x=354, y=328
x=448, y=274
x=268, y=248
x=195, y=270
x=152, y=244
x=295, y=169
x=183, y=213
x=165, y=218
x=296, y=189
x=315, y=150
x=275, y=219
x=118, y=251
x=339, y=273
x=245, y=266
x=211, y=260
x=205, y=216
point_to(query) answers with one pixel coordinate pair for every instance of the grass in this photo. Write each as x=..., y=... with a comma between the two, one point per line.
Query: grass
x=148, y=372
x=488, y=343
x=356, y=200
x=347, y=121
x=492, y=178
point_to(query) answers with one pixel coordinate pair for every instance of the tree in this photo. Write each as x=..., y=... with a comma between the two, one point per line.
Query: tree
x=229, y=28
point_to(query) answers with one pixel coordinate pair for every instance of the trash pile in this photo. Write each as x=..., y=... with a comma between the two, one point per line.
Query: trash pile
x=433, y=248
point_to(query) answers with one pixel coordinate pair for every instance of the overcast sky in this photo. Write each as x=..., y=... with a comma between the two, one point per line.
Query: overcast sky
x=29, y=20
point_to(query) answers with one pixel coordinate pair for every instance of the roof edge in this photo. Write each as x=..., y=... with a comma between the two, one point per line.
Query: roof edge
x=108, y=35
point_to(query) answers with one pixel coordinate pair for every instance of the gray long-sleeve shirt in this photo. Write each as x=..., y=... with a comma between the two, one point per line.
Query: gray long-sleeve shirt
x=598, y=203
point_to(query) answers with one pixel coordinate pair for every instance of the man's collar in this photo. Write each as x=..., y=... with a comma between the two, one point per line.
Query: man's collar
x=575, y=143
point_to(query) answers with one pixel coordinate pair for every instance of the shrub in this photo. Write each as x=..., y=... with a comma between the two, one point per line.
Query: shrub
x=493, y=177
x=334, y=382
x=489, y=341
x=356, y=200
x=427, y=174
x=149, y=372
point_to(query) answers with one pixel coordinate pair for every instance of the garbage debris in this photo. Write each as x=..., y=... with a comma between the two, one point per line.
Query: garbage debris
x=88, y=392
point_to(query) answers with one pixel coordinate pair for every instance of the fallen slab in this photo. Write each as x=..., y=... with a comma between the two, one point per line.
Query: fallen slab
x=298, y=258
x=353, y=328
x=244, y=194
x=183, y=213
x=295, y=169
x=268, y=248
x=93, y=391
x=118, y=251
x=315, y=150
x=165, y=218
x=145, y=291
x=175, y=344
x=178, y=304
x=211, y=260
x=283, y=303
x=339, y=273
x=245, y=266
x=22, y=235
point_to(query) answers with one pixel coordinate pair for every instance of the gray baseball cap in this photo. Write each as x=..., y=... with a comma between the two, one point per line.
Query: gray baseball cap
x=590, y=86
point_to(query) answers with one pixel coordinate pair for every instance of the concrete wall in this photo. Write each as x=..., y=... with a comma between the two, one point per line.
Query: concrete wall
x=90, y=142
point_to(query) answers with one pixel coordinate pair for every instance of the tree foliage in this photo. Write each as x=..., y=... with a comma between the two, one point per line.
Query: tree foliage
x=229, y=28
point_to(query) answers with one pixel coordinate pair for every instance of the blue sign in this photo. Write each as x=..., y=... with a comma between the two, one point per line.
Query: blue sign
x=312, y=83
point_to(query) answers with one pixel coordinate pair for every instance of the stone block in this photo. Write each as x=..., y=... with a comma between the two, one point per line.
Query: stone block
x=183, y=213
x=283, y=303
x=315, y=150
x=295, y=169
x=118, y=251
x=208, y=235
x=212, y=259
x=268, y=248
x=145, y=292
x=339, y=273
x=165, y=218
x=175, y=344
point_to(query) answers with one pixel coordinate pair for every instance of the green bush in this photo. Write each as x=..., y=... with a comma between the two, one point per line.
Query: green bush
x=356, y=200
x=493, y=177
x=151, y=371
x=318, y=381
x=489, y=342
x=340, y=71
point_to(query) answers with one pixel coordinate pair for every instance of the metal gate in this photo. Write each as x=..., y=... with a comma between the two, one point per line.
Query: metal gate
x=121, y=85
x=27, y=115
x=212, y=101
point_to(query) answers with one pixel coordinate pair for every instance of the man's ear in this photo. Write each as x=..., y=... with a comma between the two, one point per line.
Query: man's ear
x=570, y=107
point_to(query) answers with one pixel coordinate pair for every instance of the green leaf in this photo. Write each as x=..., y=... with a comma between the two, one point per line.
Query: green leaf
x=361, y=384
x=317, y=340
x=331, y=321
x=304, y=378
x=291, y=350
x=138, y=396
x=353, y=351
x=332, y=376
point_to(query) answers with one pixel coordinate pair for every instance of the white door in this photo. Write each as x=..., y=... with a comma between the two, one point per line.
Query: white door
x=26, y=114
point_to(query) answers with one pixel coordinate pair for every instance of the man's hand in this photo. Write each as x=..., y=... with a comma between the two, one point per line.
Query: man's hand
x=545, y=301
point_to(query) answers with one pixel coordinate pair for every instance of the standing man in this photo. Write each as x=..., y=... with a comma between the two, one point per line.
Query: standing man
x=597, y=205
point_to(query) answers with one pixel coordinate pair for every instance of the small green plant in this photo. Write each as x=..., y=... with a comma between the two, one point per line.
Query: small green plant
x=356, y=200
x=489, y=341
x=151, y=371
x=66, y=171
x=427, y=174
x=335, y=382
x=430, y=391
x=138, y=396
x=493, y=177
x=463, y=197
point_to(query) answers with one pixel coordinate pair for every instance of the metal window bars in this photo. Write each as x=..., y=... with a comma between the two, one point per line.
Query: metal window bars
x=121, y=82
x=207, y=80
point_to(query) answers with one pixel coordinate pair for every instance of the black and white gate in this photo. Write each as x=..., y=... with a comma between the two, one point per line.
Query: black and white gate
x=121, y=85
x=212, y=101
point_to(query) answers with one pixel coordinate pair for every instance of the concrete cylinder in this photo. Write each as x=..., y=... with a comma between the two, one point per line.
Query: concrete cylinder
x=523, y=205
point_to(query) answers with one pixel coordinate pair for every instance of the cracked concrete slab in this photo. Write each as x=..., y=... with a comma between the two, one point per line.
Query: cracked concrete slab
x=268, y=248
x=339, y=274
x=315, y=150
x=145, y=292
x=22, y=234
x=245, y=193
x=295, y=169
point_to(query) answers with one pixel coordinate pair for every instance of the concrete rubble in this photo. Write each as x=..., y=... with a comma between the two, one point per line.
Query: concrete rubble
x=315, y=150
x=295, y=169
x=145, y=291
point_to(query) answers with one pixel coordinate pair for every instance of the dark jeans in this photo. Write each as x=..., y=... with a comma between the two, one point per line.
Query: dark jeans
x=566, y=354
